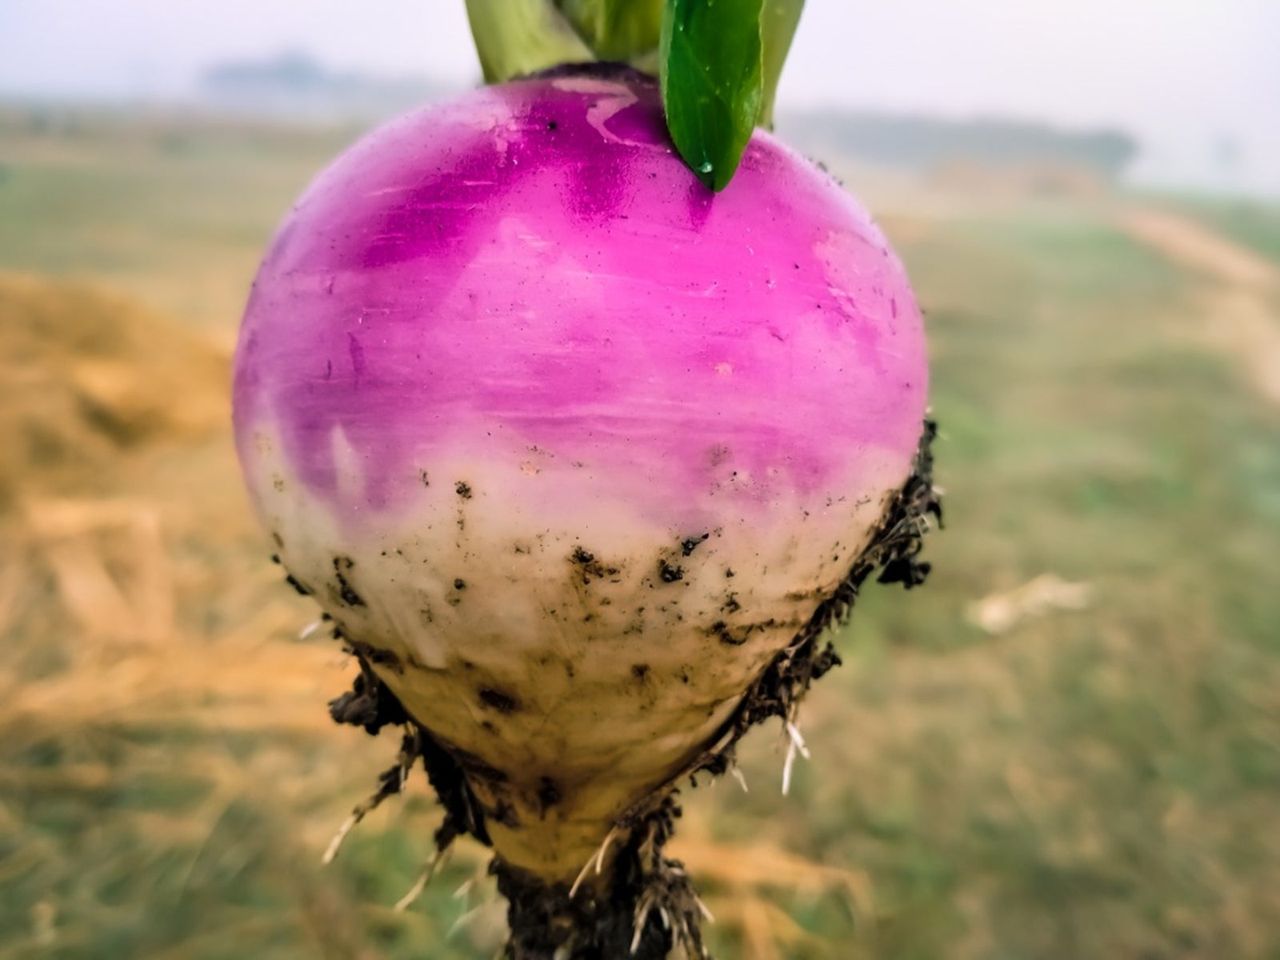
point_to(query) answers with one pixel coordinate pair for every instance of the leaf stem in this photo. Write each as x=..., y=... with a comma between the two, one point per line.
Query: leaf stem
x=518, y=37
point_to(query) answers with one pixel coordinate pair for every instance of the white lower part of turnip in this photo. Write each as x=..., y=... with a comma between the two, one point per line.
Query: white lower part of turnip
x=521, y=635
x=579, y=818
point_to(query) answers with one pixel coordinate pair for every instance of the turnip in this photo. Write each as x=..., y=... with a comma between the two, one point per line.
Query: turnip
x=580, y=458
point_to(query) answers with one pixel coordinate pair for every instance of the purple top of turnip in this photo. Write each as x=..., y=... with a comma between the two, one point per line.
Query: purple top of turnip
x=532, y=267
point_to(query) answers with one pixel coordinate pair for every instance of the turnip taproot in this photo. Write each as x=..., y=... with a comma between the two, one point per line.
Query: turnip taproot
x=578, y=455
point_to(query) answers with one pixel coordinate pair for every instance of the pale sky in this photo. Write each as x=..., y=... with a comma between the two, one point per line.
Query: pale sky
x=1182, y=74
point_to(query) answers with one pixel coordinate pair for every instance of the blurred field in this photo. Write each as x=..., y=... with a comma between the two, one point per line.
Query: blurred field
x=1066, y=746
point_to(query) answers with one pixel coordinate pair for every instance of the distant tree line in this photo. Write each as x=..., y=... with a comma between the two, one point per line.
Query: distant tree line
x=294, y=83
x=918, y=142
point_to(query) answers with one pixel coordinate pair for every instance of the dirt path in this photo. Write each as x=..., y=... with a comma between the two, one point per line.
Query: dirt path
x=1239, y=306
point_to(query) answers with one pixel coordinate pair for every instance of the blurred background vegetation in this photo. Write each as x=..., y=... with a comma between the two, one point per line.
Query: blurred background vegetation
x=1067, y=745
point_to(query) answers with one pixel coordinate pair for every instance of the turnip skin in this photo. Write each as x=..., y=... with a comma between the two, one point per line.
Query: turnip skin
x=506, y=361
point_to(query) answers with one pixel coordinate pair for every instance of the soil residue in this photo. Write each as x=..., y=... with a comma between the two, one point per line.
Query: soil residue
x=342, y=567
x=669, y=572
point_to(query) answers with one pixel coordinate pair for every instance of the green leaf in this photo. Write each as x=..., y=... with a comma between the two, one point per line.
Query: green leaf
x=711, y=61
x=616, y=29
x=777, y=27
x=519, y=37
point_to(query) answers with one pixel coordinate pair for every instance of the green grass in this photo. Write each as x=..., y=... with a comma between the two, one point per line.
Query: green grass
x=175, y=212
x=1096, y=783
x=1253, y=223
